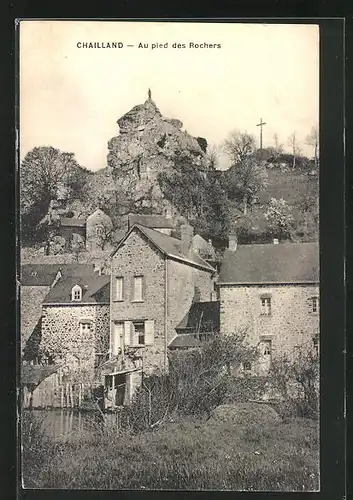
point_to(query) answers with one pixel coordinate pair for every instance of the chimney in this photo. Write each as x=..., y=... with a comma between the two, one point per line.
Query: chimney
x=187, y=233
x=98, y=269
x=275, y=241
x=233, y=242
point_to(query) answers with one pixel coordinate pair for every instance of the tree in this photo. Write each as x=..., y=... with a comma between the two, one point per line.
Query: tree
x=278, y=147
x=279, y=218
x=293, y=143
x=245, y=179
x=48, y=178
x=196, y=192
x=312, y=139
x=240, y=146
x=296, y=379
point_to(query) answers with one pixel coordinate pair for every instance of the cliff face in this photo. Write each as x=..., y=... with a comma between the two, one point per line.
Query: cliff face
x=147, y=144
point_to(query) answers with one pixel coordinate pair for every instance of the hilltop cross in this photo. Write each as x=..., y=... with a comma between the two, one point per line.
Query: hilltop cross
x=261, y=124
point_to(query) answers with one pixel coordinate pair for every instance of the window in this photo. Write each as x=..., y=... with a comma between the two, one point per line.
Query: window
x=138, y=332
x=314, y=305
x=119, y=288
x=99, y=231
x=265, y=306
x=117, y=337
x=247, y=366
x=267, y=347
x=76, y=293
x=138, y=288
x=85, y=328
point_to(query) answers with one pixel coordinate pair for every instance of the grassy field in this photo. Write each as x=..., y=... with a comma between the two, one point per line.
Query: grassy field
x=184, y=455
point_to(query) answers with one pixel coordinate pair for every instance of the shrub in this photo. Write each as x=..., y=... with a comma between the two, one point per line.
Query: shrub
x=297, y=381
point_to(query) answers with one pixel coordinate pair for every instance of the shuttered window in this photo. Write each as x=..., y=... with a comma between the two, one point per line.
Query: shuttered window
x=138, y=333
x=119, y=288
x=117, y=337
x=138, y=289
x=127, y=332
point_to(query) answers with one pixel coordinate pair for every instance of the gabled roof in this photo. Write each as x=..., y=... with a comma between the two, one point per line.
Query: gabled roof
x=152, y=221
x=95, y=290
x=271, y=263
x=45, y=274
x=202, y=317
x=185, y=341
x=72, y=222
x=203, y=247
x=169, y=246
x=35, y=374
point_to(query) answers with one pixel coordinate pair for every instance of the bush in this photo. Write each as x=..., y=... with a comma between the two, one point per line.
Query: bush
x=296, y=381
x=198, y=381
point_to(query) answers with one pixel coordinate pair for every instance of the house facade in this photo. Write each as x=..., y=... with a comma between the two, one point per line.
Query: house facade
x=75, y=324
x=95, y=231
x=154, y=280
x=271, y=293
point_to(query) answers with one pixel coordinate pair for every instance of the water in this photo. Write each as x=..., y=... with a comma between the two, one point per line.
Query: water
x=68, y=424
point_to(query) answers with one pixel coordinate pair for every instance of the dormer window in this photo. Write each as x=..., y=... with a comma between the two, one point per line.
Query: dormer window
x=76, y=293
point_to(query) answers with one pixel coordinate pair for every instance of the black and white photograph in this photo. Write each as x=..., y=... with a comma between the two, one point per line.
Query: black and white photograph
x=169, y=281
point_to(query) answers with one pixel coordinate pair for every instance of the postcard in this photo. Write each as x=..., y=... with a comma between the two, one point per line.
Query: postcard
x=169, y=260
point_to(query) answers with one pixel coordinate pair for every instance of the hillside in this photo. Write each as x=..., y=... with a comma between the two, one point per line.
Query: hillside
x=155, y=167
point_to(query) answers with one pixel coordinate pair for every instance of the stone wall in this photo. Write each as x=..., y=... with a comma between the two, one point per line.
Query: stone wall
x=138, y=257
x=62, y=337
x=290, y=325
x=185, y=283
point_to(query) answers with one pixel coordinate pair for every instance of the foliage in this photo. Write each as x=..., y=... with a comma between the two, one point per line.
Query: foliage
x=279, y=217
x=240, y=146
x=48, y=177
x=57, y=245
x=184, y=455
x=198, y=381
x=297, y=380
x=196, y=193
x=245, y=180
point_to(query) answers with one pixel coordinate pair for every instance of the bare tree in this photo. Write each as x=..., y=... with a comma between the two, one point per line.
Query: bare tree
x=278, y=147
x=240, y=146
x=293, y=143
x=312, y=139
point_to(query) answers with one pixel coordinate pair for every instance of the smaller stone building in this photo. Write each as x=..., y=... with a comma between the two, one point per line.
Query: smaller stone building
x=96, y=232
x=271, y=292
x=75, y=323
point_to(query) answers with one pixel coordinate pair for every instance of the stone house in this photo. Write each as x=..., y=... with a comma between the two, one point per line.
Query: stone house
x=271, y=292
x=154, y=280
x=75, y=323
x=68, y=227
x=96, y=231
x=36, y=280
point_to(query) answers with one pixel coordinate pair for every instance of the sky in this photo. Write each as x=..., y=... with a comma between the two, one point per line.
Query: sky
x=71, y=98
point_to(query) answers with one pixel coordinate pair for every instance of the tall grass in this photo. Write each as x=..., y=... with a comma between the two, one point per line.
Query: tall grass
x=186, y=455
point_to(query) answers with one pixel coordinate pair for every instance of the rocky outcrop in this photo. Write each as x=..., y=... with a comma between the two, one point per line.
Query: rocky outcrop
x=147, y=145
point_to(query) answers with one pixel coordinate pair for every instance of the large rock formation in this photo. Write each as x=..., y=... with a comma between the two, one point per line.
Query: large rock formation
x=147, y=145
